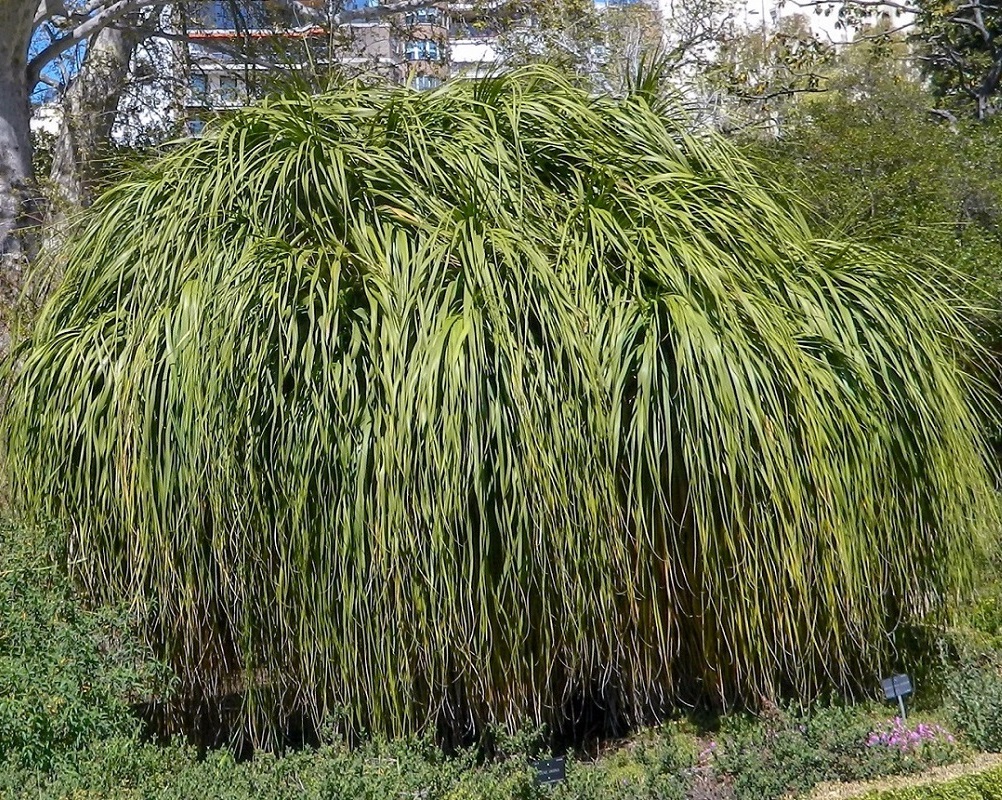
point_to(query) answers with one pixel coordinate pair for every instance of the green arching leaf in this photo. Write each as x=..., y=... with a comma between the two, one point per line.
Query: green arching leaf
x=456, y=408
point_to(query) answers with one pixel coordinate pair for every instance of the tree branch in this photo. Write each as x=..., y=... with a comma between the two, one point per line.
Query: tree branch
x=942, y=113
x=83, y=31
x=903, y=7
x=974, y=25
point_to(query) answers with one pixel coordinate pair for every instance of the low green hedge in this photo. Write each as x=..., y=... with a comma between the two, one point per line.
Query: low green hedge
x=68, y=673
x=982, y=786
x=121, y=770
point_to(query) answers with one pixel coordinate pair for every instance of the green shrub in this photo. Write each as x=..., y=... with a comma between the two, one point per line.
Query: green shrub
x=121, y=770
x=656, y=766
x=659, y=765
x=780, y=753
x=983, y=618
x=67, y=674
x=784, y=753
x=984, y=786
x=447, y=408
x=974, y=700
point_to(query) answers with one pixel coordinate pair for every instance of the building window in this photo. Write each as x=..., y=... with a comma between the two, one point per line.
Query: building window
x=217, y=15
x=422, y=16
x=425, y=82
x=235, y=15
x=195, y=127
x=422, y=50
x=199, y=84
x=229, y=89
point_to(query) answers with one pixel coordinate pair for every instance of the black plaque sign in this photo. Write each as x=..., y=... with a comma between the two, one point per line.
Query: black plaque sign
x=897, y=686
x=550, y=771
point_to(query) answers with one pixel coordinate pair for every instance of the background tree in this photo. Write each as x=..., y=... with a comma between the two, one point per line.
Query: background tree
x=89, y=110
x=20, y=72
x=757, y=74
x=870, y=161
x=957, y=41
x=106, y=50
x=960, y=42
x=608, y=42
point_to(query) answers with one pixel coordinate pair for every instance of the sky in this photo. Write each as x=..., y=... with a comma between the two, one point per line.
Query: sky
x=59, y=70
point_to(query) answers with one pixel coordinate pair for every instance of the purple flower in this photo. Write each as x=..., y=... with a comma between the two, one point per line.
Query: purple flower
x=897, y=735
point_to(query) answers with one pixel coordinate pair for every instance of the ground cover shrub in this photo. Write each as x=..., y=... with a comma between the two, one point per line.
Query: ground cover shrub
x=984, y=786
x=974, y=700
x=123, y=770
x=651, y=769
x=494, y=402
x=898, y=747
x=67, y=674
x=786, y=752
x=970, y=656
x=658, y=765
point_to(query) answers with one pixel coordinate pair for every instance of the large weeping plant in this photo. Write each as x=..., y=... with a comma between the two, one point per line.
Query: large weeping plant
x=471, y=406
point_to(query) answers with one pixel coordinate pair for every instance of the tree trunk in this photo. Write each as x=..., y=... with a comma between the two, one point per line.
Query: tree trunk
x=18, y=202
x=89, y=112
x=986, y=91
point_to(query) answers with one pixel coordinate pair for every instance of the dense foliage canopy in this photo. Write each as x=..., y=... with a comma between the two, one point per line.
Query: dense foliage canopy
x=485, y=403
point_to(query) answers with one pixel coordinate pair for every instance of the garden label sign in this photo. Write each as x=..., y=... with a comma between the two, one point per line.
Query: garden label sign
x=898, y=687
x=550, y=771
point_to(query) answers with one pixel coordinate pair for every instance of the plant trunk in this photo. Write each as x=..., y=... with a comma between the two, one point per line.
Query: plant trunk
x=89, y=112
x=18, y=202
x=986, y=91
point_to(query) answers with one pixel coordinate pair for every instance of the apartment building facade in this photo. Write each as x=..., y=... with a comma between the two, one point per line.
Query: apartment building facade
x=240, y=49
